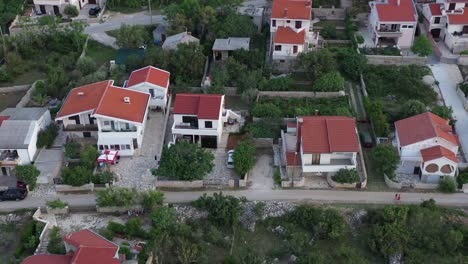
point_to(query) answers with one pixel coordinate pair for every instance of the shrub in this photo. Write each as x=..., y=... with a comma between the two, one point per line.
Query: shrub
x=133, y=228
x=108, y=234
x=163, y=218
x=329, y=82
x=71, y=11
x=46, y=137
x=86, y=65
x=386, y=159
x=277, y=176
x=152, y=199
x=103, y=177
x=328, y=31
x=57, y=203
x=244, y=157
x=266, y=110
x=464, y=88
x=347, y=176
x=447, y=185
x=422, y=46
x=359, y=39
x=375, y=111
x=27, y=174
x=72, y=150
x=88, y=157
x=76, y=176
x=222, y=210
x=116, y=228
x=277, y=84
x=117, y=196
x=462, y=178
x=55, y=245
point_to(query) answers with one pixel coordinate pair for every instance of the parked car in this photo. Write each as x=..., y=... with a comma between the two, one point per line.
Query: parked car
x=13, y=194
x=230, y=159
x=366, y=139
x=20, y=185
x=94, y=11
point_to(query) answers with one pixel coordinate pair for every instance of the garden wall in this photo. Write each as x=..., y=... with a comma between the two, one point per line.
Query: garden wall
x=51, y=210
x=242, y=183
x=179, y=184
x=463, y=60
x=465, y=188
x=396, y=60
x=426, y=186
x=68, y=188
x=300, y=94
x=12, y=89
x=120, y=209
x=392, y=184
x=329, y=13
x=335, y=184
x=27, y=97
x=296, y=183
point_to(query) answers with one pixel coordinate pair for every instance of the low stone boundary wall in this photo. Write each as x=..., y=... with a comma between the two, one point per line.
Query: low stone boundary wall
x=426, y=186
x=332, y=13
x=465, y=188
x=113, y=209
x=392, y=184
x=51, y=210
x=27, y=97
x=335, y=184
x=396, y=60
x=462, y=97
x=295, y=183
x=242, y=183
x=179, y=184
x=17, y=88
x=300, y=94
x=68, y=188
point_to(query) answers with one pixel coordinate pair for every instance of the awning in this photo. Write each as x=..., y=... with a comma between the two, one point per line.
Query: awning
x=108, y=156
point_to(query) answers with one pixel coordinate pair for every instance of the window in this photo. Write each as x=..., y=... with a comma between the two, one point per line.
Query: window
x=437, y=20
x=404, y=26
x=295, y=49
x=410, y=26
x=282, y=61
x=127, y=146
x=208, y=124
x=151, y=91
x=107, y=123
x=101, y=147
x=288, y=21
x=298, y=24
x=273, y=23
x=117, y=147
x=278, y=47
x=106, y=147
x=446, y=25
x=112, y=147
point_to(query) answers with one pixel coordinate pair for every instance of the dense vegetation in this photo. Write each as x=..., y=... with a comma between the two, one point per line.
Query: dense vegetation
x=28, y=174
x=8, y=10
x=244, y=157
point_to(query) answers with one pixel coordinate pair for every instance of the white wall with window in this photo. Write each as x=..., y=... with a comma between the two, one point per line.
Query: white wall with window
x=286, y=50
x=158, y=94
x=292, y=23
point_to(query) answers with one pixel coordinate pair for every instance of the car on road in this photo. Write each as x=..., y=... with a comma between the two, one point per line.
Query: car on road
x=94, y=11
x=230, y=159
x=13, y=194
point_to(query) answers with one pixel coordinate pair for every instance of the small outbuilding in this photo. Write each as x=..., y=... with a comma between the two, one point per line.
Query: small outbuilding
x=159, y=34
x=223, y=47
x=172, y=42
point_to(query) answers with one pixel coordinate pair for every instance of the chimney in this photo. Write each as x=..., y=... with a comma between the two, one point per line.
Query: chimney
x=286, y=12
x=127, y=100
x=316, y=112
x=80, y=93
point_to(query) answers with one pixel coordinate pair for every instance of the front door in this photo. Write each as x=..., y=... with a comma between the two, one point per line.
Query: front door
x=417, y=170
x=452, y=6
x=315, y=158
x=42, y=8
x=91, y=119
x=465, y=30
x=294, y=49
x=135, y=143
x=56, y=10
x=4, y=171
x=298, y=24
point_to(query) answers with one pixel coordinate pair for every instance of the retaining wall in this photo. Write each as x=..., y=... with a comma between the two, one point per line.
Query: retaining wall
x=51, y=210
x=392, y=184
x=301, y=94
x=27, y=97
x=68, y=188
x=113, y=209
x=329, y=13
x=335, y=184
x=179, y=184
x=396, y=60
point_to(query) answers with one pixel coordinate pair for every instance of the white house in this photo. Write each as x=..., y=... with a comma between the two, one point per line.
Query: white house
x=56, y=7
x=172, y=42
x=448, y=21
x=153, y=81
x=393, y=23
x=200, y=118
x=320, y=144
x=115, y=116
x=291, y=31
x=19, y=128
x=223, y=47
x=427, y=147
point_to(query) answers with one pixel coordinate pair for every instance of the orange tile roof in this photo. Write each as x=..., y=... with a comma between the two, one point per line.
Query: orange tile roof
x=49, y=259
x=286, y=35
x=435, y=9
x=392, y=12
x=327, y=134
x=459, y=19
x=84, y=98
x=292, y=9
x=422, y=127
x=437, y=152
x=204, y=106
x=151, y=75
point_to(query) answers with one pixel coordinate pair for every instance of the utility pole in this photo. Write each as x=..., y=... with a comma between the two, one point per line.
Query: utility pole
x=151, y=15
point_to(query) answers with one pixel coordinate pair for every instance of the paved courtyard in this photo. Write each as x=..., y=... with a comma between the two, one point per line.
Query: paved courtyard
x=261, y=177
x=135, y=172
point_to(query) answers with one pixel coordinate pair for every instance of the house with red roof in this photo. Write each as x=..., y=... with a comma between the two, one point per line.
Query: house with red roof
x=393, y=23
x=319, y=144
x=200, y=118
x=115, y=116
x=153, y=81
x=290, y=28
x=448, y=20
x=428, y=147
x=83, y=247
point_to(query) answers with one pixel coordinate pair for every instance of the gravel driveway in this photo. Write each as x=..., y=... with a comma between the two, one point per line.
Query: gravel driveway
x=261, y=177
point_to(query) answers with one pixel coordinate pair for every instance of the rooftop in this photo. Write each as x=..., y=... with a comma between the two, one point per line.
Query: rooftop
x=231, y=44
x=26, y=113
x=458, y=18
x=176, y=39
x=292, y=9
x=286, y=35
x=396, y=11
x=204, y=106
x=250, y=11
x=16, y=134
x=437, y=152
x=435, y=9
x=151, y=75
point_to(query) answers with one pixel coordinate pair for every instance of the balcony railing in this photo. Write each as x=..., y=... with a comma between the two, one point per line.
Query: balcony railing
x=8, y=158
x=88, y=127
x=119, y=130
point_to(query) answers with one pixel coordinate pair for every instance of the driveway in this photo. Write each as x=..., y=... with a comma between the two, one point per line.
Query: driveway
x=261, y=177
x=115, y=21
x=449, y=76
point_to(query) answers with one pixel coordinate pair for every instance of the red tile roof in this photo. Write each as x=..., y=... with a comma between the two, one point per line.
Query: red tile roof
x=105, y=99
x=204, y=106
x=3, y=118
x=112, y=104
x=327, y=134
x=459, y=19
x=422, y=127
x=435, y=9
x=292, y=9
x=49, y=259
x=84, y=98
x=151, y=75
x=286, y=35
x=392, y=12
x=437, y=152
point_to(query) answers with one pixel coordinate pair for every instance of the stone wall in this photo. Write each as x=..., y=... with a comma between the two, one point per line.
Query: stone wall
x=426, y=186
x=113, y=209
x=12, y=89
x=296, y=183
x=396, y=60
x=392, y=184
x=463, y=60
x=179, y=184
x=68, y=188
x=465, y=188
x=300, y=94
x=329, y=13
x=51, y=210
x=27, y=97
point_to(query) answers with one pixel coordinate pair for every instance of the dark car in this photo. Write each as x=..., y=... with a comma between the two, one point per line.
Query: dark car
x=94, y=11
x=366, y=139
x=13, y=194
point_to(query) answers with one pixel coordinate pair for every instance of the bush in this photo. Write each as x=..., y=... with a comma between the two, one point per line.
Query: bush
x=447, y=185
x=71, y=11
x=386, y=159
x=359, y=39
x=108, y=234
x=133, y=228
x=266, y=110
x=328, y=31
x=152, y=199
x=117, y=196
x=57, y=203
x=88, y=157
x=103, y=177
x=222, y=210
x=277, y=84
x=55, y=245
x=347, y=176
x=329, y=82
x=422, y=46
x=462, y=178
x=86, y=65
x=244, y=157
x=116, y=228
x=27, y=174
x=46, y=137
x=76, y=176
x=277, y=176
x=72, y=150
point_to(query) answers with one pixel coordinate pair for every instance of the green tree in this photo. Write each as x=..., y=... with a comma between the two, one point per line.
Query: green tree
x=413, y=107
x=28, y=174
x=244, y=157
x=72, y=150
x=163, y=219
x=316, y=63
x=76, y=176
x=117, y=196
x=446, y=112
x=352, y=65
x=374, y=109
x=328, y=31
x=329, y=82
x=88, y=157
x=55, y=245
x=235, y=25
x=462, y=178
x=134, y=228
x=222, y=210
x=46, y=137
x=347, y=176
x=266, y=110
x=447, y=185
x=86, y=65
x=386, y=159
x=131, y=37
x=185, y=161
x=71, y=11
x=188, y=54
x=152, y=199
x=422, y=46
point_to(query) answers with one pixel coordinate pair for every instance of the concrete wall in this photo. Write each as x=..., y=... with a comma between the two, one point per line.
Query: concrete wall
x=463, y=60
x=465, y=188
x=113, y=209
x=51, y=210
x=427, y=186
x=392, y=184
x=179, y=184
x=12, y=89
x=296, y=183
x=329, y=13
x=396, y=60
x=462, y=97
x=68, y=188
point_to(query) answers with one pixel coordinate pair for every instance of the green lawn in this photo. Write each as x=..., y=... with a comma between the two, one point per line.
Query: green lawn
x=28, y=77
x=10, y=99
x=100, y=53
x=236, y=103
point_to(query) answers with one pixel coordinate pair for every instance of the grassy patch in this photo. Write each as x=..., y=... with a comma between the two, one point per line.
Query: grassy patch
x=100, y=53
x=236, y=103
x=375, y=181
x=10, y=99
x=28, y=77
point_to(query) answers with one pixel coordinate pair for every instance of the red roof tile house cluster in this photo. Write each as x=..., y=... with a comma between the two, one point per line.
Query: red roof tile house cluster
x=448, y=20
x=428, y=147
x=320, y=144
x=115, y=116
x=200, y=118
x=393, y=23
x=291, y=29
x=83, y=247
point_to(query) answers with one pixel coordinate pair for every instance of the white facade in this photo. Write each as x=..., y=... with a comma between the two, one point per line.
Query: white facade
x=284, y=51
x=158, y=94
x=297, y=24
x=54, y=7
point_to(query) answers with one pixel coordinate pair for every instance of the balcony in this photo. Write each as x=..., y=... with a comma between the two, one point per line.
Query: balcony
x=388, y=31
x=105, y=130
x=9, y=159
x=88, y=127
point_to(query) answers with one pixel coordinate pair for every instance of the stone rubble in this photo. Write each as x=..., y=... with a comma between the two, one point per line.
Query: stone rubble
x=184, y=212
x=14, y=218
x=43, y=190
